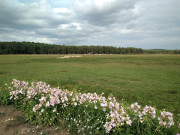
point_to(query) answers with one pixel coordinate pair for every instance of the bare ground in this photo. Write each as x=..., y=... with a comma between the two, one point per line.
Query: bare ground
x=12, y=122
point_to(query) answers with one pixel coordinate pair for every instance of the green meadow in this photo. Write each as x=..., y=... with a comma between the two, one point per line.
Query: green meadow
x=147, y=79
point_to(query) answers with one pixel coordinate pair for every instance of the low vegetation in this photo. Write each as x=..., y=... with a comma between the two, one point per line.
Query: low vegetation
x=87, y=113
x=145, y=79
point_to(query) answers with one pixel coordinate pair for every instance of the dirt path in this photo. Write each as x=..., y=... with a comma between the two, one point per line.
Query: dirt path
x=12, y=122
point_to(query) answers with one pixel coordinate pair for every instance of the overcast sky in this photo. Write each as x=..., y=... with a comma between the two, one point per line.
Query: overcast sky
x=147, y=24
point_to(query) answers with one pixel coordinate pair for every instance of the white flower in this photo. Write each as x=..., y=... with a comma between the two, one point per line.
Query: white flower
x=166, y=119
x=47, y=104
x=108, y=127
x=34, y=109
x=129, y=122
x=75, y=104
x=104, y=104
x=54, y=110
x=148, y=110
x=135, y=107
x=42, y=110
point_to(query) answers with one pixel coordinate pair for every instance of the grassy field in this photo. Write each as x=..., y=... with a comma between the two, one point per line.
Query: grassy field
x=146, y=79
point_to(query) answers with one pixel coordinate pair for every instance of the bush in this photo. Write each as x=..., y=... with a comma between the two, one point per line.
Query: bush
x=88, y=113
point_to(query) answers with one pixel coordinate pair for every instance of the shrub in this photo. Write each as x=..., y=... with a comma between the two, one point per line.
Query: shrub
x=87, y=113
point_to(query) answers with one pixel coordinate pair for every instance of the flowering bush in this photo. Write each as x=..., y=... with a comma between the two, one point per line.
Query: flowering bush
x=87, y=113
x=166, y=119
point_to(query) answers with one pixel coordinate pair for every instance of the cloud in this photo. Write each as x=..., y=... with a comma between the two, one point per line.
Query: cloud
x=105, y=12
x=137, y=23
x=18, y=15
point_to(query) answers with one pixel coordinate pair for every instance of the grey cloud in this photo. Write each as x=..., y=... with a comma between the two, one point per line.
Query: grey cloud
x=7, y=14
x=159, y=15
x=21, y=16
x=137, y=23
x=114, y=12
x=71, y=35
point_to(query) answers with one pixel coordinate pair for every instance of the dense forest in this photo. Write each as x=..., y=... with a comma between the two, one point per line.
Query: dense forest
x=161, y=51
x=41, y=48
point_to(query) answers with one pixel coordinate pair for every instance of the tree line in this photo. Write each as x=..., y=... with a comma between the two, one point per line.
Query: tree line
x=161, y=51
x=41, y=48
